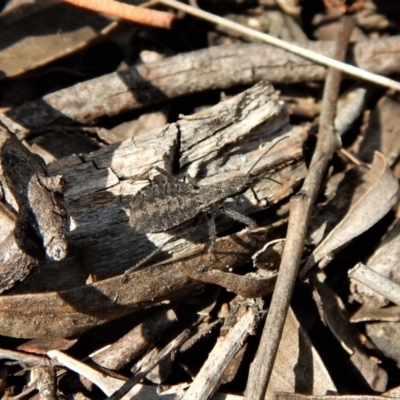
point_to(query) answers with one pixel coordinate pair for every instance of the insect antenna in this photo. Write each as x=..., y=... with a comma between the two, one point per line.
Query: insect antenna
x=264, y=154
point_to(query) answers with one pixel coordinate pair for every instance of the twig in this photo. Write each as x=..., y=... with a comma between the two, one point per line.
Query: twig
x=127, y=11
x=376, y=281
x=300, y=212
x=107, y=384
x=136, y=341
x=207, y=380
x=25, y=358
x=293, y=48
x=176, y=343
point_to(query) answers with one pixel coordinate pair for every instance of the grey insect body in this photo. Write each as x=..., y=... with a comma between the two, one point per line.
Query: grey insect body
x=164, y=205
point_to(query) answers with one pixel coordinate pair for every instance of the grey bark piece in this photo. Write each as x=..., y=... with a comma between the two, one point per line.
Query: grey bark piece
x=218, y=67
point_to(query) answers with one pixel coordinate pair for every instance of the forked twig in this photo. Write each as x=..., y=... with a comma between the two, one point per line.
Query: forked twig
x=300, y=211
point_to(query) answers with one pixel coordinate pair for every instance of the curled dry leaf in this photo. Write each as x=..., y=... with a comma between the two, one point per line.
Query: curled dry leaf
x=376, y=202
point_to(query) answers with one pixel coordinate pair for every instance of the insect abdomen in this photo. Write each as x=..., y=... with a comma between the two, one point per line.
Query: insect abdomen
x=163, y=205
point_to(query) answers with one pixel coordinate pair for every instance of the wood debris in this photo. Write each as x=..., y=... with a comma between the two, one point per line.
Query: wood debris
x=205, y=211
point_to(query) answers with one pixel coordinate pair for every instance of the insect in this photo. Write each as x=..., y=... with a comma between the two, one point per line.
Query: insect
x=166, y=204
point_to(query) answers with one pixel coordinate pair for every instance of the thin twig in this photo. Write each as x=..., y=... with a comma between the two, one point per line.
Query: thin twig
x=300, y=211
x=376, y=281
x=127, y=11
x=209, y=377
x=293, y=48
x=127, y=386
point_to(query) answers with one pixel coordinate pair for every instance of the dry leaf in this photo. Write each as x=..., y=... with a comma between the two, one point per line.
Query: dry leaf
x=376, y=202
x=52, y=33
x=298, y=366
x=382, y=131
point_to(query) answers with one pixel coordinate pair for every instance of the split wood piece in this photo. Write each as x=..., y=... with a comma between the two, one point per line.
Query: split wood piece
x=127, y=11
x=135, y=342
x=221, y=67
x=108, y=384
x=71, y=312
x=300, y=213
x=208, y=379
x=217, y=145
x=45, y=378
x=32, y=215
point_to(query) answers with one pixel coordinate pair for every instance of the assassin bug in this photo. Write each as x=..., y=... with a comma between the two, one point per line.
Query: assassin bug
x=166, y=204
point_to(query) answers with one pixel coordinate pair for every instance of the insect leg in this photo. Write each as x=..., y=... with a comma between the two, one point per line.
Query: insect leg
x=250, y=223
x=169, y=176
x=191, y=181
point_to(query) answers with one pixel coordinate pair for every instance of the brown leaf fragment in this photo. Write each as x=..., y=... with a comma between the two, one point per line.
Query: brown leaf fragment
x=52, y=33
x=334, y=314
x=23, y=176
x=366, y=313
x=370, y=208
x=250, y=285
x=233, y=366
x=343, y=190
x=43, y=345
x=369, y=367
